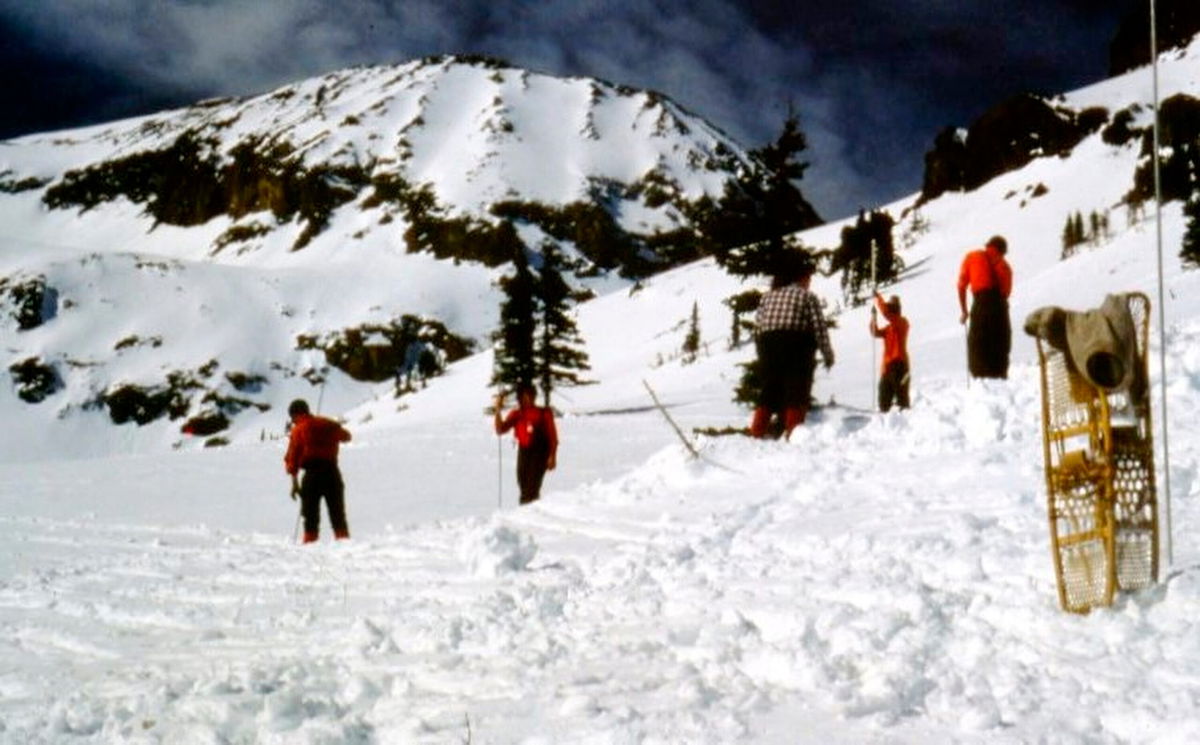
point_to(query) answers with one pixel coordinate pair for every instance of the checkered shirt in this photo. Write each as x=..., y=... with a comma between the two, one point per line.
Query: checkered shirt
x=793, y=307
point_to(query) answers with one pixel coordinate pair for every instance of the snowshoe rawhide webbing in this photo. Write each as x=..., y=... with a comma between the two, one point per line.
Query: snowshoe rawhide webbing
x=1099, y=465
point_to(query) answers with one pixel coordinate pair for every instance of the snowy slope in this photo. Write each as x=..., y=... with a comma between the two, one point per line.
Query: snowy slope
x=878, y=579
x=471, y=132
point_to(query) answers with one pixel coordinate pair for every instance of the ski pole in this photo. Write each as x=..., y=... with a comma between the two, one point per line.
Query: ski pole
x=499, y=452
x=874, y=289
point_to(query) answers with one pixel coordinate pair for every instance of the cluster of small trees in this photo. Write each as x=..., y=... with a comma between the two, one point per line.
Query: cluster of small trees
x=1077, y=232
x=866, y=254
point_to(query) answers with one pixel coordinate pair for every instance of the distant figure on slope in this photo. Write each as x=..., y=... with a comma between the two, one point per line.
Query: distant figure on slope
x=789, y=329
x=989, y=337
x=537, y=439
x=893, y=381
x=313, y=448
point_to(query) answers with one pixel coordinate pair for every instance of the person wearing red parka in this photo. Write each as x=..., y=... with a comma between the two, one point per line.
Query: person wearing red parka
x=313, y=448
x=537, y=440
x=989, y=335
x=893, y=381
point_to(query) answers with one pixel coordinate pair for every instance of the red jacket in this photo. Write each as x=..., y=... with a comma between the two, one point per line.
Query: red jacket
x=526, y=422
x=984, y=269
x=313, y=438
x=894, y=335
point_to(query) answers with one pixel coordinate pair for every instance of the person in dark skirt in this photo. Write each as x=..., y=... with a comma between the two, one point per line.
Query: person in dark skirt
x=989, y=336
x=537, y=439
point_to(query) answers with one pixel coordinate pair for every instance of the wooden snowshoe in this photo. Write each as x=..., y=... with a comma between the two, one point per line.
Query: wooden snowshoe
x=1099, y=464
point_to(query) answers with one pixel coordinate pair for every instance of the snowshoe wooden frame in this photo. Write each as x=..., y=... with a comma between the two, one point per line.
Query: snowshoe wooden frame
x=1100, y=492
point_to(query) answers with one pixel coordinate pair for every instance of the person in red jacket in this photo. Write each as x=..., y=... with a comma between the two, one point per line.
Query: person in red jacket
x=313, y=448
x=989, y=337
x=893, y=381
x=537, y=440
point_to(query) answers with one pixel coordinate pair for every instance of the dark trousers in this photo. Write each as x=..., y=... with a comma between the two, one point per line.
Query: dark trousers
x=893, y=385
x=531, y=469
x=786, y=362
x=989, y=336
x=323, y=479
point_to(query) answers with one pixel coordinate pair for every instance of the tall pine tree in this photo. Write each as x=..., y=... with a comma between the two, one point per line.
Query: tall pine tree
x=514, y=364
x=558, y=349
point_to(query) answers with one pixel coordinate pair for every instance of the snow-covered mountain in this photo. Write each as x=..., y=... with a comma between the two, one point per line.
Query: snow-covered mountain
x=879, y=578
x=334, y=229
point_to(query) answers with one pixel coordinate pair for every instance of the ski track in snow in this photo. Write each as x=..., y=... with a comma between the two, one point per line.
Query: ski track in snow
x=899, y=592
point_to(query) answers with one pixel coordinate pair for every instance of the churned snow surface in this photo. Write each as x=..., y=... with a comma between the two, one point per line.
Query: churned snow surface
x=881, y=578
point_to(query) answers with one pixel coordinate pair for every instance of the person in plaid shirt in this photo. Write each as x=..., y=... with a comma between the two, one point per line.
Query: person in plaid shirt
x=790, y=328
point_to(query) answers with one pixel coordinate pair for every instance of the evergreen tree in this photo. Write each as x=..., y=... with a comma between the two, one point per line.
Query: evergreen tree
x=741, y=304
x=513, y=364
x=558, y=347
x=691, y=342
x=1068, y=239
x=748, y=225
x=1191, y=234
x=1073, y=234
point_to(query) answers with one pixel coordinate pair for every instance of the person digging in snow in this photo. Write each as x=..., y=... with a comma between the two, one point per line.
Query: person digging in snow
x=537, y=439
x=893, y=381
x=313, y=448
x=989, y=337
x=790, y=328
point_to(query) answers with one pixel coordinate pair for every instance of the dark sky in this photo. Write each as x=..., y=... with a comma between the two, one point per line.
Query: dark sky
x=872, y=80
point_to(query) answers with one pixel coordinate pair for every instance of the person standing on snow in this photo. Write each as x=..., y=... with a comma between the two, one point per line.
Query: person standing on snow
x=989, y=337
x=537, y=439
x=790, y=328
x=893, y=381
x=313, y=448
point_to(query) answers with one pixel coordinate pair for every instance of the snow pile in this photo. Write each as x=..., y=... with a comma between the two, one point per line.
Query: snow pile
x=496, y=549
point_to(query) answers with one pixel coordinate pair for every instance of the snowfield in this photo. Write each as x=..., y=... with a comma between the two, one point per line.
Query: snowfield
x=880, y=578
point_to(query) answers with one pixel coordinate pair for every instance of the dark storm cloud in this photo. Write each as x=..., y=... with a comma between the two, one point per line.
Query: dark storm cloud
x=872, y=80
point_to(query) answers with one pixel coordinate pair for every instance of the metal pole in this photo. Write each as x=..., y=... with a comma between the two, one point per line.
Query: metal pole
x=874, y=379
x=499, y=472
x=1162, y=314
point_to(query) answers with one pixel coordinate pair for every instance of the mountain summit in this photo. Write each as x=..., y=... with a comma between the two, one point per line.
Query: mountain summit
x=440, y=147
